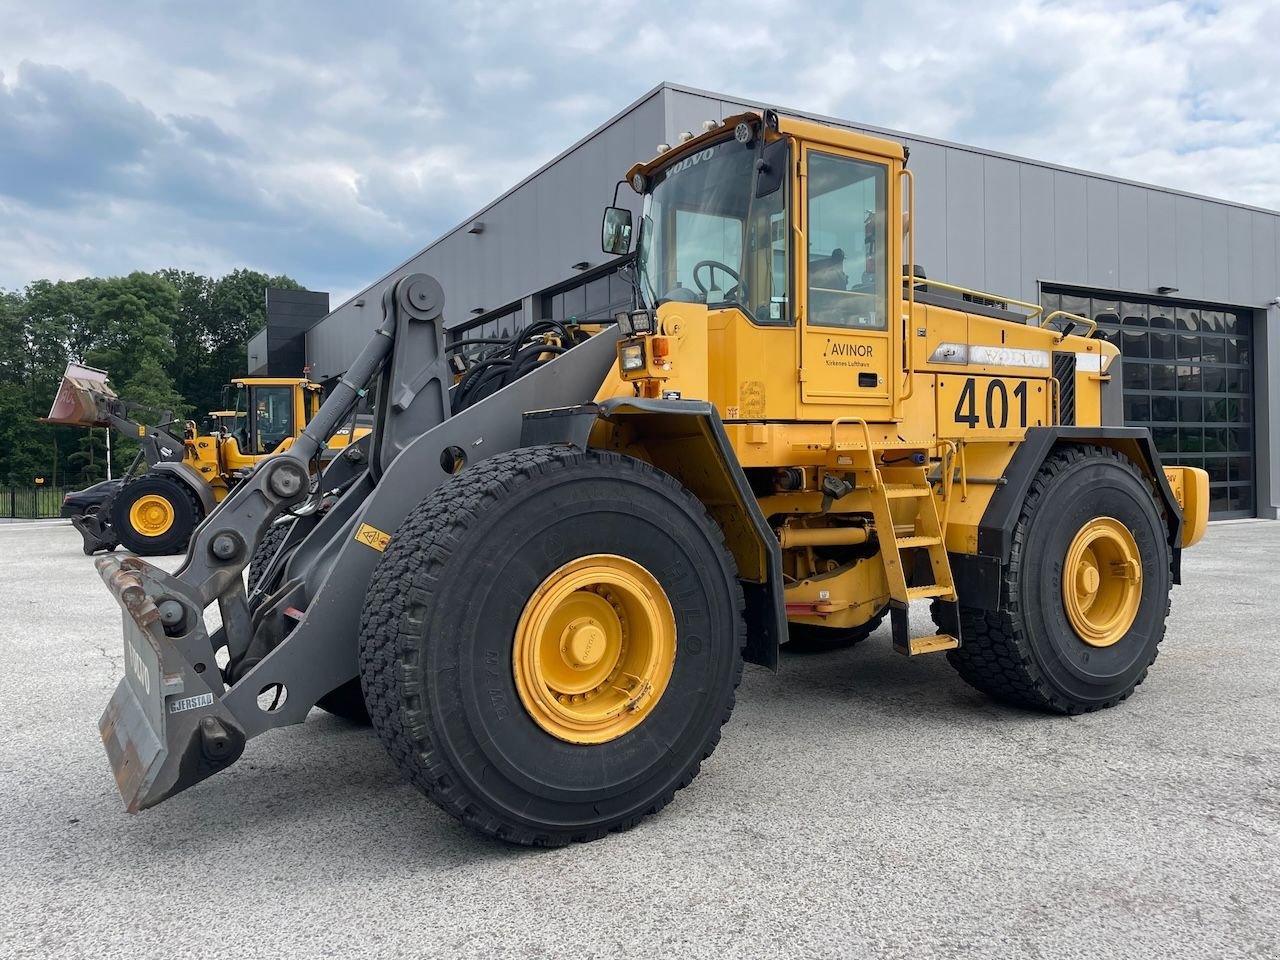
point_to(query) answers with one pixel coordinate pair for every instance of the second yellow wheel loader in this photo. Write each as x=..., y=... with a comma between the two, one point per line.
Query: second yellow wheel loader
x=544, y=597
x=173, y=484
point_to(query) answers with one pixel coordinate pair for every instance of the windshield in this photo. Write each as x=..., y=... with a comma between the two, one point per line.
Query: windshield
x=705, y=237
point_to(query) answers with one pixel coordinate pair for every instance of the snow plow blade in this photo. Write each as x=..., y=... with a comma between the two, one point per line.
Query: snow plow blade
x=164, y=728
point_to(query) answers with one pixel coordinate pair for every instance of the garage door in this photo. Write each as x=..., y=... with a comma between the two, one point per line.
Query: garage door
x=1188, y=377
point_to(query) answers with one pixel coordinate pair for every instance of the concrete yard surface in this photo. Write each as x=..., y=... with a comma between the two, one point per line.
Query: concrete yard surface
x=859, y=804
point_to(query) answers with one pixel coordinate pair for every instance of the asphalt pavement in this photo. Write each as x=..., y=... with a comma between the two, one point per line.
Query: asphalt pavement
x=859, y=804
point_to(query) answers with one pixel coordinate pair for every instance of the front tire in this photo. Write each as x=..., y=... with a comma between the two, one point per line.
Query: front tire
x=483, y=629
x=1085, y=594
x=155, y=515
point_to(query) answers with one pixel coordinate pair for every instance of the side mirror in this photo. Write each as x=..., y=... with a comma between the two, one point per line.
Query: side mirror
x=616, y=231
x=771, y=168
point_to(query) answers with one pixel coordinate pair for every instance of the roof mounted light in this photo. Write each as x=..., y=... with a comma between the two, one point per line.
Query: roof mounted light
x=686, y=136
x=638, y=182
x=743, y=132
x=709, y=125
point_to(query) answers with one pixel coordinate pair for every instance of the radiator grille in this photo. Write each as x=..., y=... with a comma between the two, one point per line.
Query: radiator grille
x=1064, y=371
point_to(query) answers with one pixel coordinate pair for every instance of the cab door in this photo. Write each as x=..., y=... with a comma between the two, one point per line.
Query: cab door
x=851, y=292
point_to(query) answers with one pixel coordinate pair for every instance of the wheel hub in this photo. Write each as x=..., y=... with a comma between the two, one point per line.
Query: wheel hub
x=151, y=515
x=594, y=649
x=1102, y=582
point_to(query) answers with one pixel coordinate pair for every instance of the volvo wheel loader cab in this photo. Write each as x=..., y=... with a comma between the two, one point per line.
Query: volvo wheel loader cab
x=545, y=596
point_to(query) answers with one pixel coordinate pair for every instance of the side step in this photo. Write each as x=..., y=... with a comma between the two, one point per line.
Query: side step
x=900, y=540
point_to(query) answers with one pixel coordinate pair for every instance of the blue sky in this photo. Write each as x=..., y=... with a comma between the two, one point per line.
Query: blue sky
x=330, y=141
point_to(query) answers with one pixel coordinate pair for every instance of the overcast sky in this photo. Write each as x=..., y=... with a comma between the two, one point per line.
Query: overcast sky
x=330, y=140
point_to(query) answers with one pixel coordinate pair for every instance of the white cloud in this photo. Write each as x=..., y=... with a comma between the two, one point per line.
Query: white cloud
x=311, y=139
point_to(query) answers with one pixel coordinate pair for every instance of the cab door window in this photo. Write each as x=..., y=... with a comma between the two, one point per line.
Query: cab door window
x=273, y=417
x=848, y=243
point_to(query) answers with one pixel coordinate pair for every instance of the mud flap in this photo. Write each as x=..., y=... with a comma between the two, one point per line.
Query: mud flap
x=165, y=728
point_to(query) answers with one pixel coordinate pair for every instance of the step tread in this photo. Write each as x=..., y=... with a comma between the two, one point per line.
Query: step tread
x=913, y=541
x=897, y=490
x=931, y=644
x=933, y=590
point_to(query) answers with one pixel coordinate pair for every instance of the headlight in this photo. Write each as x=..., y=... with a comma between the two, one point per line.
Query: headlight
x=631, y=357
x=642, y=322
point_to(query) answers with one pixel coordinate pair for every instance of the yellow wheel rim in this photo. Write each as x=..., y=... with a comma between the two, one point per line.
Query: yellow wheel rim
x=151, y=515
x=1102, y=582
x=594, y=649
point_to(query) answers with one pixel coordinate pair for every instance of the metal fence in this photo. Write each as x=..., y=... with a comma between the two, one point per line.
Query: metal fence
x=31, y=503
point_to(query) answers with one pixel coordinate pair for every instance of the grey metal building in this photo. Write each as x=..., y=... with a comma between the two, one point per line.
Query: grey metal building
x=1187, y=286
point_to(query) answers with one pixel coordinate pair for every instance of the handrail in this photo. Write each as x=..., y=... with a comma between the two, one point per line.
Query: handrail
x=907, y=341
x=1073, y=317
x=1033, y=309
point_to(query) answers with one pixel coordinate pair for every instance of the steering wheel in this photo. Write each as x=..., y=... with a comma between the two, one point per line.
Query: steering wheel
x=711, y=266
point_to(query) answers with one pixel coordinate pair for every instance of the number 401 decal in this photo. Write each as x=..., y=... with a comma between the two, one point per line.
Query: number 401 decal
x=996, y=414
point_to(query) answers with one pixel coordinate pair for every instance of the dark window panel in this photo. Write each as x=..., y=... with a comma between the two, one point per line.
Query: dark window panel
x=1190, y=409
x=597, y=295
x=1188, y=318
x=1161, y=346
x=1237, y=379
x=1188, y=378
x=1133, y=314
x=1164, y=408
x=1166, y=439
x=1217, y=469
x=1137, y=409
x=1164, y=376
x=1077, y=305
x=1241, y=439
x=1213, y=349
x=1216, y=440
x=1217, y=410
x=1241, y=498
x=1241, y=469
x=1161, y=318
x=1189, y=347
x=1134, y=344
x=1190, y=440
x=1050, y=302
x=1233, y=322
x=1215, y=379
x=1218, y=499
x=1136, y=376
x=575, y=303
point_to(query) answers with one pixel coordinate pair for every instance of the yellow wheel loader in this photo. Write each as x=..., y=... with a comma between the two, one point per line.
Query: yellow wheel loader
x=174, y=483
x=543, y=596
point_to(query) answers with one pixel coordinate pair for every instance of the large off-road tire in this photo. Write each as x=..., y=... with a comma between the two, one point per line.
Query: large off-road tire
x=808, y=638
x=155, y=515
x=264, y=551
x=1075, y=650
x=347, y=701
x=496, y=589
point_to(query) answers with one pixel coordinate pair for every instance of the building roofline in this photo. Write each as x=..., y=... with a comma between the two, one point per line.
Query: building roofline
x=967, y=148
x=821, y=118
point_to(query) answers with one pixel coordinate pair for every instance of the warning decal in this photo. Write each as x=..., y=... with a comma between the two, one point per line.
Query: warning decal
x=373, y=537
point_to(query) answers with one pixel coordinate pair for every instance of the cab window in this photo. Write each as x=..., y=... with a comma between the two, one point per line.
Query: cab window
x=273, y=417
x=847, y=235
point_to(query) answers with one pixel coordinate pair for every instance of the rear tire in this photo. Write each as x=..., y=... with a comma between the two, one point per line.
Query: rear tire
x=1032, y=653
x=170, y=508
x=446, y=614
x=807, y=638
